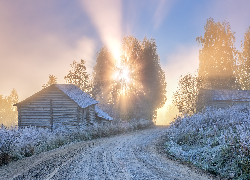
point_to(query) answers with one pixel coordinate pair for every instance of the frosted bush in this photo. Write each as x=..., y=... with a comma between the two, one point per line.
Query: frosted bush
x=19, y=143
x=215, y=140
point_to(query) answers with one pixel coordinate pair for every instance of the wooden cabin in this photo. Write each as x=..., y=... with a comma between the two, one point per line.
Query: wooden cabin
x=223, y=98
x=59, y=105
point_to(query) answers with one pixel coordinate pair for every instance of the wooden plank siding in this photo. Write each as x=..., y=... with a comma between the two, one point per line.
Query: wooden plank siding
x=52, y=109
x=226, y=104
x=60, y=105
x=92, y=113
x=220, y=104
x=222, y=98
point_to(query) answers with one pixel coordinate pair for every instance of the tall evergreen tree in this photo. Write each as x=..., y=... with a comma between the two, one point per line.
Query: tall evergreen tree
x=129, y=85
x=135, y=83
x=131, y=55
x=152, y=75
x=217, y=62
x=102, y=75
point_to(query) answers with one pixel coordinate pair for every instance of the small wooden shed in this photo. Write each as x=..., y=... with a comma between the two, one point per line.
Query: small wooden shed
x=102, y=117
x=57, y=105
x=223, y=98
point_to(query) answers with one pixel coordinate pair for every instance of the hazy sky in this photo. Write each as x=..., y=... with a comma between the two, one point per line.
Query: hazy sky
x=38, y=38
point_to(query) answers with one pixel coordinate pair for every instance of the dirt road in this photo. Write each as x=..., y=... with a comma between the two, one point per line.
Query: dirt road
x=126, y=156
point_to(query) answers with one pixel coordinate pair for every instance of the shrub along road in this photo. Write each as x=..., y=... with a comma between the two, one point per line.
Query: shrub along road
x=128, y=156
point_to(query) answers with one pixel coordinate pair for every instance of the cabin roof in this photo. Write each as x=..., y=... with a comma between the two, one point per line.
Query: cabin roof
x=72, y=91
x=76, y=94
x=102, y=114
x=228, y=94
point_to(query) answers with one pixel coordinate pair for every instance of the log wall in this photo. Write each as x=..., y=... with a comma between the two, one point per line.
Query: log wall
x=226, y=104
x=51, y=108
x=92, y=114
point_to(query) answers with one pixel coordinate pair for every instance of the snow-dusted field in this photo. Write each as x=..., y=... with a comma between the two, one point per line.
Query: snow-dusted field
x=215, y=140
x=128, y=156
x=16, y=144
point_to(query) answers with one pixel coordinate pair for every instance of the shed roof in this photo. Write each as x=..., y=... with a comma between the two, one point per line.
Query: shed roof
x=76, y=94
x=102, y=114
x=72, y=91
x=229, y=94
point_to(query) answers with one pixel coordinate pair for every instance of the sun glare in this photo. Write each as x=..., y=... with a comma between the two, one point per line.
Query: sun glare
x=116, y=55
x=124, y=80
x=122, y=76
x=125, y=75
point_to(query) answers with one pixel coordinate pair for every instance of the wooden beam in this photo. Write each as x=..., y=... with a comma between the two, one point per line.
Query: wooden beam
x=19, y=117
x=78, y=115
x=51, y=115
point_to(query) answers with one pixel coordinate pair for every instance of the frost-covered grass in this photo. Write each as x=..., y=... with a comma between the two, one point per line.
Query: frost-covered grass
x=215, y=140
x=17, y=143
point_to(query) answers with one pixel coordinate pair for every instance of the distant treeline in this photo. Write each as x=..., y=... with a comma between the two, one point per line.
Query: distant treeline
x=8, y=113
x=221, y=66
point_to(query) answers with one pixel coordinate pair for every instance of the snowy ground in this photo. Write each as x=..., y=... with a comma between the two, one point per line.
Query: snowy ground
x=217, y=141
x=126, y=156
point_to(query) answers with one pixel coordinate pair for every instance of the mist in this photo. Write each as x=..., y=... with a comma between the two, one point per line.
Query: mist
x=184, y=60
x=42, y=38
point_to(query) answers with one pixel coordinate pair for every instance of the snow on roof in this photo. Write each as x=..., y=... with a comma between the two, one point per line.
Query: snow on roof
x=72, y=91
x=230, y=94
x=102, y=114
x=76, y=94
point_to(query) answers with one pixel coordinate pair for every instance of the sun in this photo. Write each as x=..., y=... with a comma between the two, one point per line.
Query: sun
x=122, y=76
x=125, y=75
x=117, y=54
x=125, y=79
